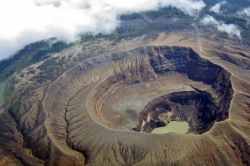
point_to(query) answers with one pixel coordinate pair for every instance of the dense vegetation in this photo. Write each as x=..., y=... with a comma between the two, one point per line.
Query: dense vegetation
x=31, y=54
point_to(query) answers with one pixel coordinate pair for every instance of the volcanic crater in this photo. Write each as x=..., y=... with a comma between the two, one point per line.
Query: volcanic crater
x=102, y=110
x=151, y=86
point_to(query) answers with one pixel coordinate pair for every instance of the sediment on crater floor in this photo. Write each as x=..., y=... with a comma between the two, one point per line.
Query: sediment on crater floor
x=160, y=85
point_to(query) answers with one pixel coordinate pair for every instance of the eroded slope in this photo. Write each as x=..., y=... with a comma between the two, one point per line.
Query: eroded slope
x=82, y=116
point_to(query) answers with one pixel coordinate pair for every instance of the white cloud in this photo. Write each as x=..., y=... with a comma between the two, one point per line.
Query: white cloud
x=216, y=8
x=26, y=21
x=230, y=29
x=245, y=11
x=190, y=7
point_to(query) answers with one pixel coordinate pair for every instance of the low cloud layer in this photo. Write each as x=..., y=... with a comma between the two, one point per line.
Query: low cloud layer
x=216, y=8
x=245, y=11
x=231, y=29
x=26, y=21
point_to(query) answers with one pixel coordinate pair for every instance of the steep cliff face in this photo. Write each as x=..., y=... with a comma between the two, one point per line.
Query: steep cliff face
x=197, y=107
x=85, y=115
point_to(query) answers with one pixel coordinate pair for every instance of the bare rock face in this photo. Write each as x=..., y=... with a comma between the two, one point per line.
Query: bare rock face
x=102, y=110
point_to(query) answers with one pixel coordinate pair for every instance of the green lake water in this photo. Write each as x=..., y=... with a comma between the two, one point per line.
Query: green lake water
x=173, y=126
